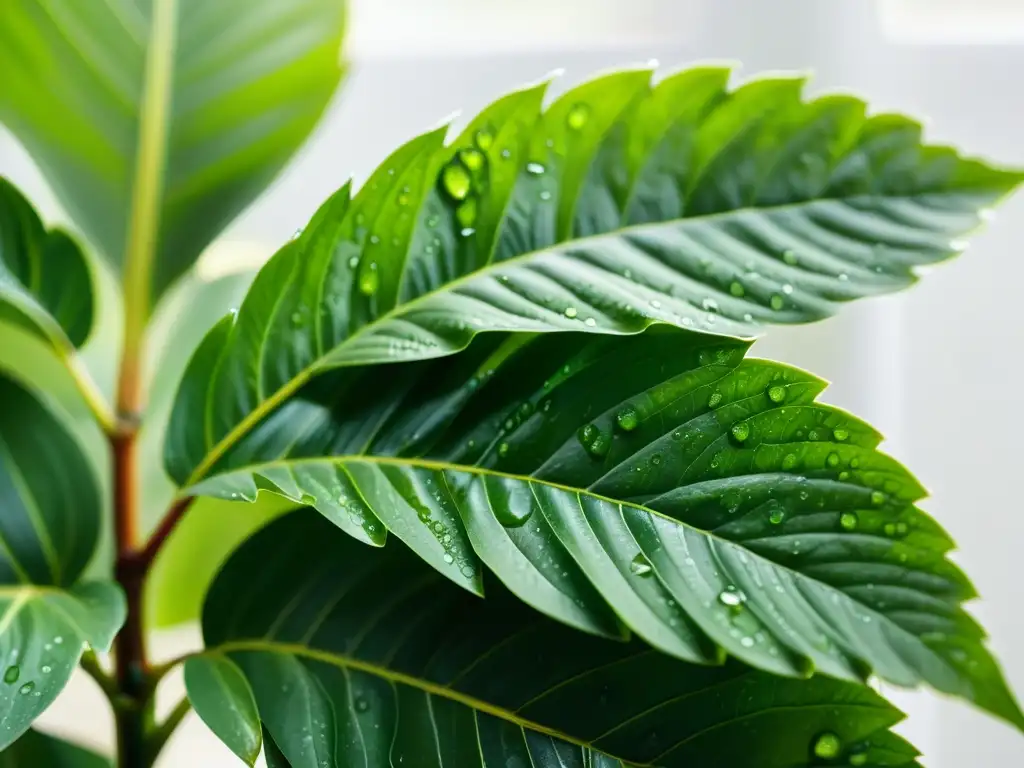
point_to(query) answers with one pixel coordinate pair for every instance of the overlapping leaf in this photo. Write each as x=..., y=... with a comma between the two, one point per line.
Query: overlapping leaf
x=45, y=284
x=620, y=206
x=49, y=525
x=173, y=114
x=37, y=749
x=661, y=482
x=357, y=658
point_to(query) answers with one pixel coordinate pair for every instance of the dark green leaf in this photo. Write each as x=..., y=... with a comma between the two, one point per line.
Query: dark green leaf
x=362, y=658
x=37, y=750
x=43, y=632
x=49, y=495
x=222, y=698
x=49, y=524
x=45, y=284
x=661, y=482
x=171, y=114
x=620, y=206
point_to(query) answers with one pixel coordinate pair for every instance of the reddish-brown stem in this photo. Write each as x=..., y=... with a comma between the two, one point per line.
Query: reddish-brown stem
x=163, y=531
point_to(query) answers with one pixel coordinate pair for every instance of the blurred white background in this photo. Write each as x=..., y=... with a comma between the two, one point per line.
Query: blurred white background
x=937, y=369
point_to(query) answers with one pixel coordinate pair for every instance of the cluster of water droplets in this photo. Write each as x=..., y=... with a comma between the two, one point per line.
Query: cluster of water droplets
x=14, y=672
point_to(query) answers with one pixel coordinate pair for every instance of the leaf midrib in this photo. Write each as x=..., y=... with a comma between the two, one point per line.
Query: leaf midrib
x=486, y=472
x=264, y=407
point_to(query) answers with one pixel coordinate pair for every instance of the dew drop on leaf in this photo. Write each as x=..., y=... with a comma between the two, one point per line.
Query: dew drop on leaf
x=776, y=302
x=848, y=521
x=535, y=169
x=789, y=461
x=27, y=688
x=466, y=213
x=12, y=674
x=578, y=116
x=714, y=400
x=590, y=322
x=877, y=498
x=740, y=432
x=640, y=566
x=731, y=598
x=832, y=459
x=789, y=256
x=736, y=288
x=570, y=312
x=840, y=434
x=484, y=139
x=627, y=418
x=827, y=746
x=776, y=513
x=473, y=159
x=777, y=393
x=369, y=280
x=456, y=180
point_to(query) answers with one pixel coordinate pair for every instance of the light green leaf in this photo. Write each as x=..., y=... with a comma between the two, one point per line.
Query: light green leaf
x=45, y=284
x=223, y=699
x=157, y=122
x=43, y=632
x=660, y=484
x=620, y=206
x=38, y=750
x=370, y=659
x=49, y=525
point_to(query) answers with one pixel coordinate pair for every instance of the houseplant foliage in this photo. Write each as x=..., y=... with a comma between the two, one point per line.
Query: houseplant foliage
x=548, y=509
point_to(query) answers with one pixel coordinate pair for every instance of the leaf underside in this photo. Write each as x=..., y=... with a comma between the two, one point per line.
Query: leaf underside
x=368, y=659
x=246, y=82
x=619, y=206
x=660, y=484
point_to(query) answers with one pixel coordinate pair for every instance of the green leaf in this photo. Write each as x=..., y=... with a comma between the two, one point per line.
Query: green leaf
x=223, y=699
x=38, y=749
x=660, y=484
x=48, y=493
x=157, y=123
x=49, y=528
x=45, y=283
x=620, y=206
x=364, y=658
x=43, y=632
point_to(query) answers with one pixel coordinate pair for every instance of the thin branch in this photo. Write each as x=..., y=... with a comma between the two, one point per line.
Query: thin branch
x=163, y=531
x=157, y=738
x=90, y=392
x=107, y=684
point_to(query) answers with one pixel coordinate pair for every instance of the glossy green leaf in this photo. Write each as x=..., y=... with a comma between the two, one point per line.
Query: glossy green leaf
x=45, y=283
x=223, y=699
x=38, y=750
x=43, y=632
x=49, y=525
x=50, y=503
x=156, y=123
x=660, y=484
x=619, y=206
x=367, y=658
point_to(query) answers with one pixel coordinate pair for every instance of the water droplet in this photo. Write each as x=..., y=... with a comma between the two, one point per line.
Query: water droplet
x=27, y=688
x=640, y=566
x=827, y=746
x=848, y=521
x=433, y=221
x=369, y=280
x=627, y=418
x=840, y=434
x=544, y=195
x=731, y=598
x=12, y=673
x=714, y=400
x=747, y=642
x=484, y=139
x=709, y=304
x=832, y=459
x=877, y=498
x=570, y=312
x=789, y=461
x=590, y=322
x=466, y=213
x=535, y=169
x=46, y=669
x=297, y=318
x=776, y=514
x=472, y=158
x=403, y=197
x=736, y=288
x=656, y=459
x=456, y=180
x=789, y=256
x=776, y=302
x=594, y=441
x=466, y=231
x=859, y=758
x=740, y=432
x=777, y=393
x=854, y=462
x=787, y=289
x=655, y=303
x=578, y=116
x=503, y=450
x=506, y=153
x=448, y=558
